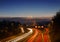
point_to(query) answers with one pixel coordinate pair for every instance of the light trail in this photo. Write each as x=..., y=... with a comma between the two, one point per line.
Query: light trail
x=46, y=36
x=22, y=29
x=21, y=37
x=39, y=37
x=34, y=36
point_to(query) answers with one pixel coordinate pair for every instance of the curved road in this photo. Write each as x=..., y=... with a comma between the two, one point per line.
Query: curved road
x=33, y=36
x=39, y=36
x=19, y=37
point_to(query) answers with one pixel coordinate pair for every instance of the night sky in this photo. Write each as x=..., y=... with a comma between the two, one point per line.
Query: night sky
x=25, y=8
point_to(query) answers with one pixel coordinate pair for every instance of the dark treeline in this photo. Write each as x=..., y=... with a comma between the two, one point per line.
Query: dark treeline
x=9, y=28
x=55, y=28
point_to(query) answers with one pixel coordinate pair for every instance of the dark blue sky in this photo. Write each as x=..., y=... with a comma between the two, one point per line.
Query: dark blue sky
x=24, y=8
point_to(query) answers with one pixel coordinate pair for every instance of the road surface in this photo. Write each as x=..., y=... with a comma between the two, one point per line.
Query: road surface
x=34, y=35
x=16, y=39
x=40, y=36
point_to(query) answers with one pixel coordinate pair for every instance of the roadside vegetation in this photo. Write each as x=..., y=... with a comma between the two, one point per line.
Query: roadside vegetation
x=55, y=28
x=10, y=28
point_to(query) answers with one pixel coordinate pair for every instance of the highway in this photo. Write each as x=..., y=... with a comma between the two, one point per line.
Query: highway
x=34, y=35
x=20, y=37
x=40, y=36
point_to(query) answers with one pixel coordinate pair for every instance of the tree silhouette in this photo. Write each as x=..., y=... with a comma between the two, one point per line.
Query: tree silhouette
x=56, y=28
x=8, y=28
